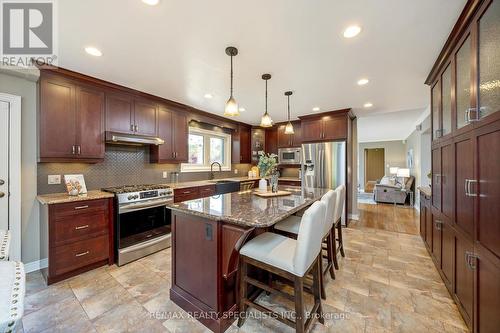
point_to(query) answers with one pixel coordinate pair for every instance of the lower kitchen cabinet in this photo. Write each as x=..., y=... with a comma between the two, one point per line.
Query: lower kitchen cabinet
x=487, y=291
x=464, y=277
x=76, y=237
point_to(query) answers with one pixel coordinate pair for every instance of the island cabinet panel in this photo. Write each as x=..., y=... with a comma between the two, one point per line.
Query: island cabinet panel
x=76, y=236
x=145, y=115
x=119, y=113
x=71, y=121
x=241, y=145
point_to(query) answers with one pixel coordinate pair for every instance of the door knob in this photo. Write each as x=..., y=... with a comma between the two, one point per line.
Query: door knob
x=2, y=181
x=2, y=194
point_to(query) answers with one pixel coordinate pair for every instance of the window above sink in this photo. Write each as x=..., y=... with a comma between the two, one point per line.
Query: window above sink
x=206, y=147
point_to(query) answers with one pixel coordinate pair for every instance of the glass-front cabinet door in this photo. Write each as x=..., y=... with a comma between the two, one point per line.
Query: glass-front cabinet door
x=463, y=82
x=489, y=60
x=436, y=101
x=446, y=101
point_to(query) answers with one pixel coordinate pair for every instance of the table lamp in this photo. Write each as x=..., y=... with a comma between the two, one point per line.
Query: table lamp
x=403, y=173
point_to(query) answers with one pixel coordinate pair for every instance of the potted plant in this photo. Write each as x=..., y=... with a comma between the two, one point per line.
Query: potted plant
x=268, y=167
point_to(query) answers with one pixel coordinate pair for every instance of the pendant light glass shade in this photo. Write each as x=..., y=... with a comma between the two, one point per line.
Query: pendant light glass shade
x=266, y=120
x=231, y=109
x=289, y=126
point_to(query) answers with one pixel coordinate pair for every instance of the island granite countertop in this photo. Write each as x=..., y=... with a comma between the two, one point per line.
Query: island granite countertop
x=249, y=210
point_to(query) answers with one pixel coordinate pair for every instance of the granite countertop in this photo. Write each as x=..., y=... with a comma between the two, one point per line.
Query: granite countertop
x=425, y=190
x=247, y=209
x=181, y=185
x=58, y=198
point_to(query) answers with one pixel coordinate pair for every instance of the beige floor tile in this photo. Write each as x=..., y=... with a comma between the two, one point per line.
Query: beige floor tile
x=34, y=283
x=104, y=301
x=53, y=295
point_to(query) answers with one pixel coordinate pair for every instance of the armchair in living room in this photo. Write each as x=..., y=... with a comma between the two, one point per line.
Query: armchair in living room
x=391, y=190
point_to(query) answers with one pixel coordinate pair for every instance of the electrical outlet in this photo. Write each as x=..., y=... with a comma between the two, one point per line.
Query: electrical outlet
x=54, y=179
x=165, y=174
x=235, y=171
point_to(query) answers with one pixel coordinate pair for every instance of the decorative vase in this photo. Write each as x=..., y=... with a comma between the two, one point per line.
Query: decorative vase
x=262, y=185
x=274, y=182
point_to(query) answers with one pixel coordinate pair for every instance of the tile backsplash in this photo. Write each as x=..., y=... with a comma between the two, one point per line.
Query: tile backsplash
x=122, y=165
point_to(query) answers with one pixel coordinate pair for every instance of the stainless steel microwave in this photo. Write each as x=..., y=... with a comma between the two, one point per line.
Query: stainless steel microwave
x=289, y=155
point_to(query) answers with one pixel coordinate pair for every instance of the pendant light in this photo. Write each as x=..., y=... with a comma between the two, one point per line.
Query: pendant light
x=289, y=126
x=231, y=109
x=266, y=120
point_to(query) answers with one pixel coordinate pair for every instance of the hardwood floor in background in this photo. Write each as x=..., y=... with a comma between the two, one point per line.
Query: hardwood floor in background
x=388, y=217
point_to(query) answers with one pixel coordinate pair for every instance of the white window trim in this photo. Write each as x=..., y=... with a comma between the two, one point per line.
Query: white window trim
x=226, y=166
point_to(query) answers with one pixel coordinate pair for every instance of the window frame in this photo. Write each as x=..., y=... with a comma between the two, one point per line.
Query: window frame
x=207, y=134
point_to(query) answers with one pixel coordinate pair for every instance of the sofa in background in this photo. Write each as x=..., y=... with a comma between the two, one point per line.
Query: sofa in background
x=389, y=190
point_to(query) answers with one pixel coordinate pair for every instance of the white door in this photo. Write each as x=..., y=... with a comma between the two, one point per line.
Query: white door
x=4, y=165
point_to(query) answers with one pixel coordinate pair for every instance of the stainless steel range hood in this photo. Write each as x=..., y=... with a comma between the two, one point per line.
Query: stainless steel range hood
x=132, y=139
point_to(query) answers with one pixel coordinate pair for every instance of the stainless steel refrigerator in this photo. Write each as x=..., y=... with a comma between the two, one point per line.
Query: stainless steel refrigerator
x=324, y=166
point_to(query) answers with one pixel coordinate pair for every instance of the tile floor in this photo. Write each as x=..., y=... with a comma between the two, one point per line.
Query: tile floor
x=386, y=283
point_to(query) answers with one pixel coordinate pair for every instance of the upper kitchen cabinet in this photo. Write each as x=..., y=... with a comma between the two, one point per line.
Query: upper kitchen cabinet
x=173, y=129
x=241, y=142
x=126, y=114
x=271, y=142
x=328, y=126
x=71, y=120
x=289, y=140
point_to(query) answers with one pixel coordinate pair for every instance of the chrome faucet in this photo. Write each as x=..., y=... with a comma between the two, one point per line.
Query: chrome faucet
x=212, y=175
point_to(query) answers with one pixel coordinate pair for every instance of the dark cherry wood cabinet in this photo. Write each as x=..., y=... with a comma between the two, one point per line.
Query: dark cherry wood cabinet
x=145, y=113
x=71, y=121
x=195, y=192
x=289, y=140
x=327, y=126
x=241, y=145
x=426, y=220
x=271, y=142
x=465, y=105
x=173, y=129
x=126, y=114
x=76, y=237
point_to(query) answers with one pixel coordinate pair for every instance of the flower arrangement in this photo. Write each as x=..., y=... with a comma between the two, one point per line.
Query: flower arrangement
x=268, y=164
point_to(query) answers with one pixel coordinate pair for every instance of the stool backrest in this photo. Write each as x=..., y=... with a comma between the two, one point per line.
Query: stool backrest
x=339, y=207
x=330, y=200
x=309, y=238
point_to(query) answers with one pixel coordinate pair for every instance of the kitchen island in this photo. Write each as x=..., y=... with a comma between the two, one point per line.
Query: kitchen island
x=207, y=234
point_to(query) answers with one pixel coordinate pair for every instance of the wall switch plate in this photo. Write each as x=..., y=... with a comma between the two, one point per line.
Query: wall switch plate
x=165, y=174
x=235, y=171
x=54, y=179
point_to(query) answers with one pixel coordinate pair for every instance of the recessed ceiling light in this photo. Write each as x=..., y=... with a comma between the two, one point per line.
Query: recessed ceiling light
x=151, y=2
x=242, y=109
x=316, y=108
x=352, y=31
x=93, y=51
x=362, y=82
x=368, y=105
x=208, y=96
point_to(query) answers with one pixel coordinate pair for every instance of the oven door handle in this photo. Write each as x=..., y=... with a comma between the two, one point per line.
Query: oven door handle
x=145, y=244
x=127, y=208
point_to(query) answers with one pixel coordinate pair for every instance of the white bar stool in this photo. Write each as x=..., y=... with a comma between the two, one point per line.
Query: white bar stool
x=290, y=259
x=291, y=225
x=338, y=226
x=12, y=289
x=4, y=244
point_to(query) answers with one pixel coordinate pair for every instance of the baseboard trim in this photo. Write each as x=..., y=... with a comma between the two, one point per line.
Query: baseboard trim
x=353, y=217
x=36, y=265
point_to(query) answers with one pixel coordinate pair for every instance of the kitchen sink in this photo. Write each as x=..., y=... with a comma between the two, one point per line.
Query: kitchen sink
x=225, y=186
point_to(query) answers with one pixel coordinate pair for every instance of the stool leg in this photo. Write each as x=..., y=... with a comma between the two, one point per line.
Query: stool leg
x=299, y=305
x=341, y=242
x=321, y=277
x=334, y=247
x=317, y=279
x=331, y=255
x=243, y=292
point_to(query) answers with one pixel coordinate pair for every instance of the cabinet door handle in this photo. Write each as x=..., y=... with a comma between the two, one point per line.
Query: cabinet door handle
x=468, y=118
x=471, y=260
x=78, y=150
x=81, y=207
x=80, y=227
x=439, y=225
x=82, y=254
x=186, y=192
x=468, y=187
x=136, y=128
x=73, y=150
x=131, y=127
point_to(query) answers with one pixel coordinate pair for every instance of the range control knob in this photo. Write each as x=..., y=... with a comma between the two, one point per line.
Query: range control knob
x=130, y=197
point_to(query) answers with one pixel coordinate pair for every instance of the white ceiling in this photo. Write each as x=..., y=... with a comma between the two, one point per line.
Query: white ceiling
x=176, y=50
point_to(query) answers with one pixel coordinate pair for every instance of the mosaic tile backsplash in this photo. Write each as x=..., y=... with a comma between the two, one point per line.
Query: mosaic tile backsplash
x=122, y=165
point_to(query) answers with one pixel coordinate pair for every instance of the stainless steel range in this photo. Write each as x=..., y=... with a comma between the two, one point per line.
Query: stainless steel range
x=142, y=221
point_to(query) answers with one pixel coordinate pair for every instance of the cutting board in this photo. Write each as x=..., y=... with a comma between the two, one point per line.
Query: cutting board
x=271, y=194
